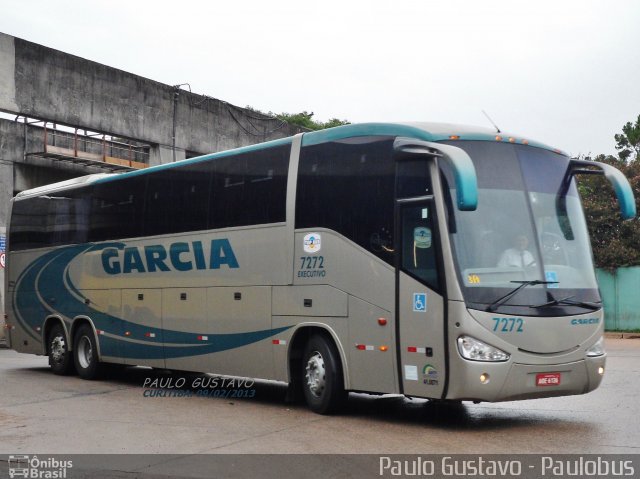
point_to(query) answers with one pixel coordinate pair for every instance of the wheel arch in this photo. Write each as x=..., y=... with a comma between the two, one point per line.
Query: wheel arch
x=47, y=325
x=79, y=321
x=296, y=349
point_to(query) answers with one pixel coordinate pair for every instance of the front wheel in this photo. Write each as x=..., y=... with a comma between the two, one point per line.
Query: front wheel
x=322, y=379
x=60, y=358
x=86, y=353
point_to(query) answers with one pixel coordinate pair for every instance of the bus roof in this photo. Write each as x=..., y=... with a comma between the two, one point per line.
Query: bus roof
x=422, y=131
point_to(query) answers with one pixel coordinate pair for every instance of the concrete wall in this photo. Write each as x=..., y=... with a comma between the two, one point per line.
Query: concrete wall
x=49, y=84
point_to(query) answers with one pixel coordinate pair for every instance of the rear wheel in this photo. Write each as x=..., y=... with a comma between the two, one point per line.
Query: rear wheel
x=86, y=353
x=322, y=378
x=60, y=358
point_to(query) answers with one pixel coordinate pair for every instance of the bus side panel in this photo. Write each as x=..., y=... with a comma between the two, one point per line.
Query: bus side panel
x=108, y=307
x=185, y=310
x=24, y=305
x=239, y=322
x=370, y=349
x=142, y=315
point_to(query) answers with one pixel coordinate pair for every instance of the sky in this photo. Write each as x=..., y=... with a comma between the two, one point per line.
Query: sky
x=563, y=72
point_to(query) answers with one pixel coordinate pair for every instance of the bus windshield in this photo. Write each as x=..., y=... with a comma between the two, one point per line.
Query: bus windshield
x=527, y=228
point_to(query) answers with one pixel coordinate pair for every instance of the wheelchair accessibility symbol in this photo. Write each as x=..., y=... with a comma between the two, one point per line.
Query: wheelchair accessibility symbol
x=420, y=302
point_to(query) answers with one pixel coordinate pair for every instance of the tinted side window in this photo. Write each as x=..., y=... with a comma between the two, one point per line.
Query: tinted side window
x=117, y=209
x=348, y=186
x=49, y=220
x=28, y=227
x=177, y=200
x=249, y=189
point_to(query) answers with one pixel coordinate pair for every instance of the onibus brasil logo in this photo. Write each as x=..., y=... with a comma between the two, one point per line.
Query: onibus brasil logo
x=33, y=467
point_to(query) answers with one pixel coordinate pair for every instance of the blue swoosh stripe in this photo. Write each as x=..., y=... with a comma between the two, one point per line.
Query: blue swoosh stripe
x=47, y=276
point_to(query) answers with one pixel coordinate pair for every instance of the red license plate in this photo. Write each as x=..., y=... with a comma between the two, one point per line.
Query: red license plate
x=548, y=379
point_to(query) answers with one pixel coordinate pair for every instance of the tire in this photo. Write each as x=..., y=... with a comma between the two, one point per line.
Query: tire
x=85, y=353
x=322, y=378
x=60, y=358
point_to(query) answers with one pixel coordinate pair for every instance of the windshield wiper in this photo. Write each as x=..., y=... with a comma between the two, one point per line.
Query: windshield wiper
x=498, y=302
x=569, y=301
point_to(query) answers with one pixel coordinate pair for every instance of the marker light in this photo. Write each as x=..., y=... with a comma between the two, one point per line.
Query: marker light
x=498, y=138
x=597, y=349
x=382, y=321
x=475, y=350
x=454, y=137
x=484, y=378
x=512, y=140
x=600, y=370
x=384, y=348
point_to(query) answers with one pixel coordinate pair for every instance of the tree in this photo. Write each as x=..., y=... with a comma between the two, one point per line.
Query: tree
x=305, y=120
x=616, y=243
x=629, y=141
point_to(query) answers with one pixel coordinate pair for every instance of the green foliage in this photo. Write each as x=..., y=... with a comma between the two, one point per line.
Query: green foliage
x=303, y=119
x=615, y=243
x=629, y=141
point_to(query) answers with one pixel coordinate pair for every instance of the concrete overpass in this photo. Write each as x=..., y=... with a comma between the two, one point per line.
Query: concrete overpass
x=71, y=117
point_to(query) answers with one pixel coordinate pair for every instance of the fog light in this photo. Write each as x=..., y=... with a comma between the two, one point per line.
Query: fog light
x=484, y=378
x=600, y=370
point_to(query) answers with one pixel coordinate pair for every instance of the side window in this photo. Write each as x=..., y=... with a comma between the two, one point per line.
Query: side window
x=49, y=220
x=68, y=217
x=117, y=209
x=348, y=186
x=418, y=244
x=249, y=189
x=177, y=200
x=28, y=227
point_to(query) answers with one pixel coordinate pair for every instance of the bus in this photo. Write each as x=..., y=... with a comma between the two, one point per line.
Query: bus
x=427, y=260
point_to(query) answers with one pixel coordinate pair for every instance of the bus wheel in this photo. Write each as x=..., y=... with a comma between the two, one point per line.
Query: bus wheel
x=86, y=353
x=60, y=358
x=322, y=376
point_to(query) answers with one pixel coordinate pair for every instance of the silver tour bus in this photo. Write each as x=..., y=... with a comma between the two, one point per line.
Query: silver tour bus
x=430, y=260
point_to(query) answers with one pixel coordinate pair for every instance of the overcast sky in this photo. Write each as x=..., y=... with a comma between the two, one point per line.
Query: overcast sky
x=564, y=72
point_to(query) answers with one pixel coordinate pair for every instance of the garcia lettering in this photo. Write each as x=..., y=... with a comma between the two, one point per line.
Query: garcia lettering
x=180, y=256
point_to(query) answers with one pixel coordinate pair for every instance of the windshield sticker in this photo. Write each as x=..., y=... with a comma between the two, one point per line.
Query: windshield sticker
x=410, y=372
x=473, y=279
x=420, y=302
x=551, y=276
x=312, y=243
x=422, y=237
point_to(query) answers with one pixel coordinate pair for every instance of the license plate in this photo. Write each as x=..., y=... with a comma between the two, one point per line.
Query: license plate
x=548, y=379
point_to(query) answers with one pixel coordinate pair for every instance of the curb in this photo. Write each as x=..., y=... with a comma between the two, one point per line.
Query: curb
x=621, y=335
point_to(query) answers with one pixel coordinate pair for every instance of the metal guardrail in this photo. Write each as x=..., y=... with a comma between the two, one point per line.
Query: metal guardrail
x=94, y=148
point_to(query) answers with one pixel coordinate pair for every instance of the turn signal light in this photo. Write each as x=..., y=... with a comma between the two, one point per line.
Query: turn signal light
x=384, y=348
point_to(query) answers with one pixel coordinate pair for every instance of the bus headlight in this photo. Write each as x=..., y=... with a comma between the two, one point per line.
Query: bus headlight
x=597, y=349
x=475, y=350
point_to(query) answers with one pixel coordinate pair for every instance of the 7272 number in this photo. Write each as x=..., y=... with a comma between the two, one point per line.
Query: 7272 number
x=508, y=325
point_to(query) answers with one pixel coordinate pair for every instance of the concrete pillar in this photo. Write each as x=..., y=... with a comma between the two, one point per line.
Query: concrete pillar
x=161, y=154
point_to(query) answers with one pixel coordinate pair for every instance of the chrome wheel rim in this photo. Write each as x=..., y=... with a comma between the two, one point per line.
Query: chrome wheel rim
x=58, y=349
x=316, y=374
x=85, y=352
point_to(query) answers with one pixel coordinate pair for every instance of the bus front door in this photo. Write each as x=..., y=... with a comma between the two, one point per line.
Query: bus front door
x=420, y=305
